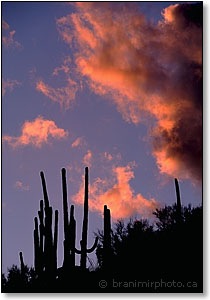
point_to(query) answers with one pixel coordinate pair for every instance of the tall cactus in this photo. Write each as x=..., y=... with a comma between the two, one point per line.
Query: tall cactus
x=65, y=218
x=178, y=202
x=22, y=265
x=55, y=240
x=83, y=243
x=37, y=260
x=41, y=236
x=72, y=236
x=45, y=244
x=69, y=227
x=107, y=236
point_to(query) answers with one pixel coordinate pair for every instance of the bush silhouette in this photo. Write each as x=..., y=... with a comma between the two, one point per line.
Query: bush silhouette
x=170, y=248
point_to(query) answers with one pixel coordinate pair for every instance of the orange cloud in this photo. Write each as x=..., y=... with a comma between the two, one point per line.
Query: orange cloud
x=117, y=194
x=8, y=36
x=65, y=67
x=108, y=156
x=168, y=13
x=150, y=71
x=9, y=85
x=80, y=141
x=36, y=133
x=19, y=185
x=64, y=95
x=87, y=159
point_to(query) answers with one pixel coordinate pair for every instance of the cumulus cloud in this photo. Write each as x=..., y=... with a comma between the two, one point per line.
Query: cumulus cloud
x=36, y=133
x=150, y=71
x=117, y=194
x=19, y=185
x=8, y=39
x=9, y=85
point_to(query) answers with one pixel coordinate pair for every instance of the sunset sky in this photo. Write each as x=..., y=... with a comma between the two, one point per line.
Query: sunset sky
x=113, y=86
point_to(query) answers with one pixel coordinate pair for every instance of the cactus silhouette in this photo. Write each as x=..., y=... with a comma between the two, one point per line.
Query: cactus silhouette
x=45, y=243
x=178, y=201
x=107, y=237
x=22, y=265
x=83, y=243
x=127, y=249
x=72, y=236
x=69, y=228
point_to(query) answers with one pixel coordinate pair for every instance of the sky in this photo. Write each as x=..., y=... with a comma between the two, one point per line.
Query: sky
x=114, y=86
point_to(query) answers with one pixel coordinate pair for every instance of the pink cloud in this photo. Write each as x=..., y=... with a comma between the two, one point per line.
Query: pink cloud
x=87, y=159
x=36, y=133
x=78, y=142
x=108, y=156
x=117, y=194
x=19, y=185
x=9, y=85
x=8, y=36
x=64, y=95
x=65, y=67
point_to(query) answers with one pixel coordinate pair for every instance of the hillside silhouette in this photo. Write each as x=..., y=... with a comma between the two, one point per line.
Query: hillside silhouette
x=131, y=257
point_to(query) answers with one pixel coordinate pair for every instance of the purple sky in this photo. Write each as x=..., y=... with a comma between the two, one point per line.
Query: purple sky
x=120, y=152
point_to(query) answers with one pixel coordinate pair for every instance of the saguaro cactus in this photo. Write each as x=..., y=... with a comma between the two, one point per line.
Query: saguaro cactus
x=72, y=236
x=65, y=217
x=178, y=202
x=41, y=236
x=83, y=243
x=45, y=245
x=107, y=236
x=37, y=258
x=55, y=240
x=22, y=265
x=69, y=228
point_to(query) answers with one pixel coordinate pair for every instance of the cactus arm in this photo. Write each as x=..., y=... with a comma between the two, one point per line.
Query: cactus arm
x=87, y=250
x=46, y=200
x=94, y=246
x=77, y=251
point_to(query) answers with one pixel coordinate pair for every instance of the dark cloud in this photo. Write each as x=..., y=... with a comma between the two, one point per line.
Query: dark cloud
x=146, y=68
